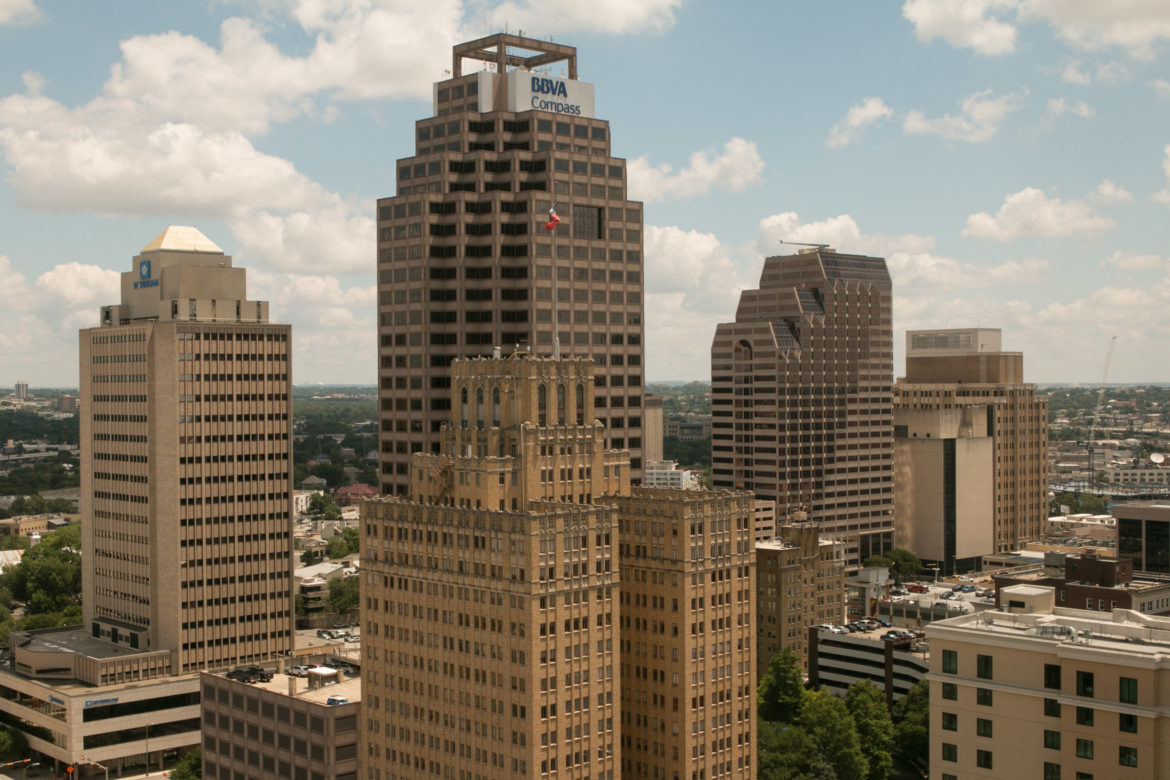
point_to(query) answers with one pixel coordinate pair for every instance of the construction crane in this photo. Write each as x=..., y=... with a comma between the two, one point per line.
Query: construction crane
x=1097, y=409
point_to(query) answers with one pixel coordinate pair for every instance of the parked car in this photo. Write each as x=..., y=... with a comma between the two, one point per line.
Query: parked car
x=968, y=588
x=914, y=587
x=297, y=671
x=949, y=595
x=352, y=638
x=324, y=633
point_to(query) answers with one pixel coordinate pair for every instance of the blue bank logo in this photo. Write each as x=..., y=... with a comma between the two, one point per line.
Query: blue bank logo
x=549, y=87
x=556, y=89
x=144, y=269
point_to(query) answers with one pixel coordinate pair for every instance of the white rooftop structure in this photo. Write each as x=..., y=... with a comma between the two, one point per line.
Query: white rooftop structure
x=181, y=238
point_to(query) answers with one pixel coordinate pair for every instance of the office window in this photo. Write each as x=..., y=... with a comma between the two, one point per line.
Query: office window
x=1084, y=776
x=1127, y=722
x=1127, y=756
x=1052, y=676
x=1051, y=771
x=1084, y=748
x=983, y=666
x=950, y=721
x=983, y=759
x=983, y=696
x=950, y=661
x=983, y=727
x=945, y=776
x=1051, y=739
x=1129, y=692
x=1084, y=716
x=950, y=691
x=1052, y=708
x=950, y=752
x=1085, y=684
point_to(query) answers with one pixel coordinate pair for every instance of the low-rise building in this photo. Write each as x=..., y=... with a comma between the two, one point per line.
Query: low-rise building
x=837, y=661
x=764, y=514
x=288, y=727
x=667, y=474
x=1091, y=582
x=1143, y=535
x=1035, y=690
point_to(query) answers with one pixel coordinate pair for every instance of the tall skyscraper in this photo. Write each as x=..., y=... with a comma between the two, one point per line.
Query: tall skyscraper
x=465, y=264
x=185, y=471
x=963, y=371
x=497, y=641
x=801, y=404
x=185, y=499
x=490, y=637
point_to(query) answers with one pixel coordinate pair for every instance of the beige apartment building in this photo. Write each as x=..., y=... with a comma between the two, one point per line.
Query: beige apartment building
x=496, y=637
x=1038, y=691
x=800, y=582
x=965, y=369
x=466, y=264
x=800, y=388
x=185, y=501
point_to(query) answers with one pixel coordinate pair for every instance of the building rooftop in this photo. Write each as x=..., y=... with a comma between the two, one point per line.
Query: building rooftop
x=76, y=639
x=1124, y=630
x=349, y=688
x=181, y=238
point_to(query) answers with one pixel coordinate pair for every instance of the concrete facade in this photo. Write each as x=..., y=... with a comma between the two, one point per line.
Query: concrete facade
x=1036, y=691
x=652, y=428
x=288, y=728
x=465, y=263
x=801, y=405
x=944, y=374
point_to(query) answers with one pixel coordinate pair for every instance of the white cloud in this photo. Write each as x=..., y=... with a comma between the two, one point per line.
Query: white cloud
x=736, y=169
x=334, y=326
x=1161, y=86
x=604, y=16
x=1163, y=196
x=18, y=11
x=1072, y=74
x=1060, y=106
x=970, y=24
x=980, y=118
x=856, y=120
x=333, y=236
x=1134, y=25
x=1030, y=212
x=1108, y=192
x=1130, y=261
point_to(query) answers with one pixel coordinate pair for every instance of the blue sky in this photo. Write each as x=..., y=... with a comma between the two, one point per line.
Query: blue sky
x=1010, y=159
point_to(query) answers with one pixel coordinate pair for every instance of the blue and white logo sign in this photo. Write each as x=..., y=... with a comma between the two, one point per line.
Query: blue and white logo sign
x=527, y=91
x=144, y=279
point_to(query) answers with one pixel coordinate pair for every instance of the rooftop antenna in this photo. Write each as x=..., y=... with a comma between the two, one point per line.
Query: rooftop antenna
x=801, y=243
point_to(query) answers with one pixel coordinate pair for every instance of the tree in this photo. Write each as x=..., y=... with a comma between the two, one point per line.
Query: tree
x=906, y=564
x=786, y=752
x=875, y=561
x=781, y=692
x=336, y=548
x=318, y=502
x=352, y=538
x=344, y=594
x=831, y=729
x=190, y=766
x=867, y=704
x=13, y=745
x=912, y=726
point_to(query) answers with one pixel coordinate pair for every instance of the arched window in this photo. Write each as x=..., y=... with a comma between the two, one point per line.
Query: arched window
x=542, y=405
x=560, y=404
x=580, y=404
x=479, y=408
x=496, y=407
x=463, y=407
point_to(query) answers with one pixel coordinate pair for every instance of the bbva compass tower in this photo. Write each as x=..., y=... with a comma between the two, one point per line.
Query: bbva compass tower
x=465, y=263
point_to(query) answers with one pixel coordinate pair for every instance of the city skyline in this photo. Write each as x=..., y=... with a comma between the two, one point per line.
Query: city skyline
x=1011, y=165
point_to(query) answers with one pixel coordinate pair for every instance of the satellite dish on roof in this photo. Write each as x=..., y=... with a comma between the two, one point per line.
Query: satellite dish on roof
x=1157, y=457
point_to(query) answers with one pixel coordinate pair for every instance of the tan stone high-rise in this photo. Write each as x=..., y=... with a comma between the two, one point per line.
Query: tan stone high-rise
x=185, y=470
x=465, y=264
x=800, y=388
x=687, y=634
x=497, y=641
x=951, y=370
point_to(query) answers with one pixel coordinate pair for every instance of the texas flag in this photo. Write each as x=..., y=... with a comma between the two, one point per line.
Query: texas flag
x=553, y=219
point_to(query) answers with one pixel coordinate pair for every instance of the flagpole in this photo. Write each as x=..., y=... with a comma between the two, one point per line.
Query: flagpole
x=556, y=310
